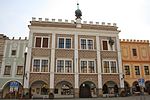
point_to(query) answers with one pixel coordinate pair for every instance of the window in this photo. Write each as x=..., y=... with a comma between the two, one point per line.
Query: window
x=19, y=70
x=40, y=65
x=60, y=65
x=68, y=66
x=87, y=44
x=41, y=42
x=90, y=44
x=7, y=70
x=113, y=67
x=68, y=43
x=105, y=45
x=64, y=66
x=109, y=67
x=44, y=67
x=83, y=66
x=134, y=52
x=146, y=69
x=87, y=66
x=13, y=52
x=137, y=70
x=91, y=68
x=106, y=67
x=61, y=42
x=127, y=70
x=64, y=43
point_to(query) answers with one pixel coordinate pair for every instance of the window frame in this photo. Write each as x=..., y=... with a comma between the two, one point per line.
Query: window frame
x=18, y=71
x=9, y=70
x=87, y=66
x=64, y=66
x=42, y=37
x=134, y=52
x=147, y=70
x=40, y=70
x=87, y=44
x=110, y=70
x=137, y=70
x=108, y=45
x=128, y=69
x=64, y=42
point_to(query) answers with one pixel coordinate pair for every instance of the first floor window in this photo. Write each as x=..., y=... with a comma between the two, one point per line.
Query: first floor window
x=7, y=70
x=127, y=70
x=60, y=65
x=87, y=66
x=36, y=65
x=19, y=70
x=91, y=68
x=44, y=67
x=40, y=65
x=146, y=69
x=64, y=66
x=106, y=67
x=83, y=66
x=113, y=67
x=137, y=70
x=109, y=67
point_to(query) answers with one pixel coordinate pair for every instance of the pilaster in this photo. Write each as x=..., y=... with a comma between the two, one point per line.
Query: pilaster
x=99, y=70
x=52, y=63
x=120, y=63
x=76, y=62
x=28, y=61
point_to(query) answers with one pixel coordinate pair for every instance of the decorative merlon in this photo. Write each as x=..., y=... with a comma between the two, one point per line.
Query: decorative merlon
x=72, y=21
x=13, y=38
x=134, y=41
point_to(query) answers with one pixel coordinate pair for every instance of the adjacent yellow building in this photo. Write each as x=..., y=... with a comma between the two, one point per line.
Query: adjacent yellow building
x=136, y=64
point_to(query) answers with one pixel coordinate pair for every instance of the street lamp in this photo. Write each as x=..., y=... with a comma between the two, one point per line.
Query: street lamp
x=24, y=74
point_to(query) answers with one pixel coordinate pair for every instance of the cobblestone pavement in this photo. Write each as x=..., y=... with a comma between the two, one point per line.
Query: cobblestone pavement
x=113, y=98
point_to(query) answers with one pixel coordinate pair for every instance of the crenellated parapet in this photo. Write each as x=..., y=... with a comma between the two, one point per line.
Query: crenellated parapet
x=71, y=21
x=134, y=41
x=13, y=38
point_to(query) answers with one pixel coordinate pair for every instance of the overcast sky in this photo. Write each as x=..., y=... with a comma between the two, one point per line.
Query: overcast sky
x=132, y=16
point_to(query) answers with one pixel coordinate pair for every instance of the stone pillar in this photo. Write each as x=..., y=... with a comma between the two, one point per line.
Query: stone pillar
x=99, y=70
x=121, y=78
x=52, y=64
x=76, y=75
x=99, y=92
x=76, y=93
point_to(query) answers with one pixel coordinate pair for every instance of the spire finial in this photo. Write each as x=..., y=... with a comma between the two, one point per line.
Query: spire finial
x=78, y=12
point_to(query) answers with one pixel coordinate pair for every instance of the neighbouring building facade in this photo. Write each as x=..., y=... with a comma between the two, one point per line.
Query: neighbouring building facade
x=73, y=59
x=2, y=44
x=136, y=64
x=11, y=78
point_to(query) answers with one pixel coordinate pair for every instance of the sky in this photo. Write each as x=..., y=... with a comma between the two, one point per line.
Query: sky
x=132, y=16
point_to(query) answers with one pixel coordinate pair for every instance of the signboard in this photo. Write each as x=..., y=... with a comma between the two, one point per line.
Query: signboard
x=14, y=86
x=141, y=82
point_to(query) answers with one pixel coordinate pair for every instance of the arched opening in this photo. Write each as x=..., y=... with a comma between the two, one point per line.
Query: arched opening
x=12, y=90
x=135, y=87
x=147, y=87
x=39, y=89
x=87, y=90
x=127, y=88
x=63, y=89
x=110, y=88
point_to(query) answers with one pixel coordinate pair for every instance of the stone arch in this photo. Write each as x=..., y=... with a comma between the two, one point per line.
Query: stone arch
x=110, y=87
x=147, y=86
x=39, y=88
x=12, y=88
x=127, y=87
x=87, y=89
x=63, y=88
x=135, y=87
